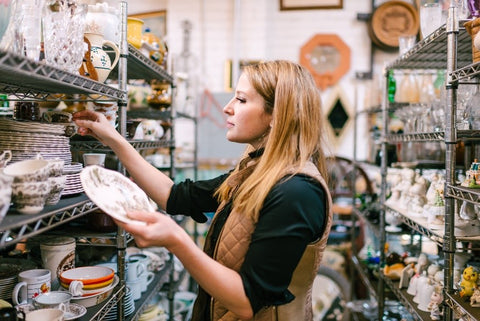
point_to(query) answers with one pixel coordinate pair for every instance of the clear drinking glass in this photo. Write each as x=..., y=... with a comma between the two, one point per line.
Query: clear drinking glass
x=406, y=42
x=430, y=17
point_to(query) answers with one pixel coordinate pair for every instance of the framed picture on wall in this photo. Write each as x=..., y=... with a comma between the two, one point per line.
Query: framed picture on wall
x=229, y=81
x=310, y=4
x=155, y=20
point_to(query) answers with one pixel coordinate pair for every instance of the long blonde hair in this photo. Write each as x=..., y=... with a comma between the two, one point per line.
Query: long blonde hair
x=296, y=135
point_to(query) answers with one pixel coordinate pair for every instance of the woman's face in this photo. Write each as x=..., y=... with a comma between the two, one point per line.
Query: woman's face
x=247, y=121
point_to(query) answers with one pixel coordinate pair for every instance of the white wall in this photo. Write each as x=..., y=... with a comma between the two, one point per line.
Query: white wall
x=265, y=32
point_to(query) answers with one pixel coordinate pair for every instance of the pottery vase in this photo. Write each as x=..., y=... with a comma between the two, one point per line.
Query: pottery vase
x=99, y=58
x=472, y=27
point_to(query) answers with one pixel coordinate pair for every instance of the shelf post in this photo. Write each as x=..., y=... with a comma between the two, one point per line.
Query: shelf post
x=383, y=194
x=122, y=110
x=452, y=28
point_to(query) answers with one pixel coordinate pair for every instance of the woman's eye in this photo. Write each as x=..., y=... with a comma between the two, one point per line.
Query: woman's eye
x=240, y=99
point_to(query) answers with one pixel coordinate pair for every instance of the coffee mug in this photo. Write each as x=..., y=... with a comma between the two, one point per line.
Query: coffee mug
x=135, y=287
x=45, y=315
x=146, y=278
x=32, y=283
x=134, y=269
x=142, y=258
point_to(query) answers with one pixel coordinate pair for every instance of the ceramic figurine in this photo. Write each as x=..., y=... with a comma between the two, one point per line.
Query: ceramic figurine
x=475, y=298
x=436, y=300
x=435, y=212
x=469, y=281
x=407, y=274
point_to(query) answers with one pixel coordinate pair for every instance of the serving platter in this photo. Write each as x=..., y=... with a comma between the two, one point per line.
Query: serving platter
x=114, y=193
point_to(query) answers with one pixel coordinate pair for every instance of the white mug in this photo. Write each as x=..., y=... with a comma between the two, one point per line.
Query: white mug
x=135, y=287
x=32, y=283
x=134, y=269
x=146, y=278
x=142, y=258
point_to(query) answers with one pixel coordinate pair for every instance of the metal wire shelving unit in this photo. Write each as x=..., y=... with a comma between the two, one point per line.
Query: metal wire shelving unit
x=22, y=79
x=449, y=48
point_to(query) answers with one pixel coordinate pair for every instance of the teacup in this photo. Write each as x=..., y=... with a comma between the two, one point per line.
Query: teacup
x=5, y=193
x=53, y=300
x=45, y=315
x=32, y=283
x=29, y=197
x=5, y=157
x=30, y=170
x=57, y=184
x=55, y=167
x=94, y=159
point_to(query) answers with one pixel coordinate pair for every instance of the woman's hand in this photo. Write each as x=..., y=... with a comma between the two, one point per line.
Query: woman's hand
x=160, y=230
x=95, y=124
x=221, y=282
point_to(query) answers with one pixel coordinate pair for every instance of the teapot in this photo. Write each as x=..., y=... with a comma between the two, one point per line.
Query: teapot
x=98, y=57
x=161, y=97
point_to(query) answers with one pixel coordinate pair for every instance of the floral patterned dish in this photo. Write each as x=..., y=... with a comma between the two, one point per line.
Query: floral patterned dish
x=114, y=193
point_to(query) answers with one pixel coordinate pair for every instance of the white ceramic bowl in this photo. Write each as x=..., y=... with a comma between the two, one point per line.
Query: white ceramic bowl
x=90, y=301
x=87, y=274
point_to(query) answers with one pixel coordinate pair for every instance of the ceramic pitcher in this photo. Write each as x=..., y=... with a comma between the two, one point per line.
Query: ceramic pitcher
x=99, y=58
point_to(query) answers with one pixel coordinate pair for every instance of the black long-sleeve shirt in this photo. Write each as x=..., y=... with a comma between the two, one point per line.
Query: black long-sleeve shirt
x=292, y=216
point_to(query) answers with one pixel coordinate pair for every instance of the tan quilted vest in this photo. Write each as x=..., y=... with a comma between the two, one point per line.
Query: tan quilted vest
x=233, y=244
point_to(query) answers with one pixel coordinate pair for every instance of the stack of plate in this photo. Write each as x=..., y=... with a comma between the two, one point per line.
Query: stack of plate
x=154, y=313
x=9, y=269
x=27, y=139
x=129, y=307
x=73, y=185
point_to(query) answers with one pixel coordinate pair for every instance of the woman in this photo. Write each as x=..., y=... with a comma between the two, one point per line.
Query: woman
x=273, y=211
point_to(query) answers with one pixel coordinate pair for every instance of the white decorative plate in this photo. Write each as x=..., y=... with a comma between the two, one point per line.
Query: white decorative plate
x=114, y=193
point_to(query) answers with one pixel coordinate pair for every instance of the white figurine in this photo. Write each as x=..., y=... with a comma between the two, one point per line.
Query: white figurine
x=436, y=300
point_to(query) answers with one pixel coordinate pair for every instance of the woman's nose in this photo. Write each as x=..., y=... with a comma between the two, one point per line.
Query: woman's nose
x=227, y=109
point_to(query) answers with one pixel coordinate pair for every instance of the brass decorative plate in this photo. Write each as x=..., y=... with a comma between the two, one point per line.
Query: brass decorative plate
x=391, y=20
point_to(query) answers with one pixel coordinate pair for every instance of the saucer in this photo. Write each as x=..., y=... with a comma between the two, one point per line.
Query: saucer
x=74, y=311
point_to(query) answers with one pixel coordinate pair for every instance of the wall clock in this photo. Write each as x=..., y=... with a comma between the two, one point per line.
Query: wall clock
x=327, y=57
